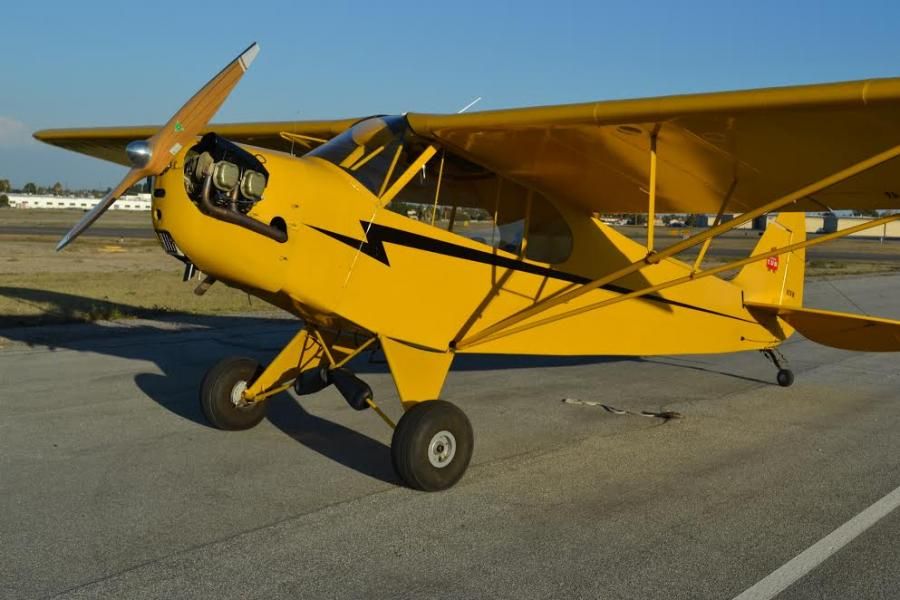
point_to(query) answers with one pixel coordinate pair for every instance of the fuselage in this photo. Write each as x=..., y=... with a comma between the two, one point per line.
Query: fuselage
x=348, y=261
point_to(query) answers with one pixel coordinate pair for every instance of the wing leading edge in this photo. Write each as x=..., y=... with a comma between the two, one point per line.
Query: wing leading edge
x=749, y=146
x=108, y=143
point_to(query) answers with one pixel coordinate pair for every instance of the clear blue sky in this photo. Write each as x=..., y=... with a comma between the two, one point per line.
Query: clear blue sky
x=117, y=63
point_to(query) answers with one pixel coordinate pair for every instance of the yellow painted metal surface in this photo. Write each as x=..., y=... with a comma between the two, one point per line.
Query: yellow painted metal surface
x=351, y=265
x=430, y=299
x=108, y=143
x=420, y=301
x=779, y=279
x=640, y=263
x=651, y=204
x=300, y=354
x=418, y=374
x=697, y=317
x=594, y=155
x=839, y=330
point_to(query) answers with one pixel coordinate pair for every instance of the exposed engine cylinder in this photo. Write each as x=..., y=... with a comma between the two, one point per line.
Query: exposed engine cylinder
x=233, y=178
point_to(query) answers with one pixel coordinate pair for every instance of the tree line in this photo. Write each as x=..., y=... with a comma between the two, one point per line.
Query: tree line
x=58, y=189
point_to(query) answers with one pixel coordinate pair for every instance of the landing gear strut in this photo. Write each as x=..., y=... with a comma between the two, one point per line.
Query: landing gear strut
x=433, y=441
x=785, y=376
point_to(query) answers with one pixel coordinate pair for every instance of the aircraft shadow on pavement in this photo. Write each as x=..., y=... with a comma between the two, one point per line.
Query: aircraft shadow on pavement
x=177, y=391
x=684, y=365
x=182, y=356
x=376, y=362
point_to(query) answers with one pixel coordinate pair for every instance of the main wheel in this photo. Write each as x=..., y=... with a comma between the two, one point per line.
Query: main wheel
x=220, y=394
x=785, y=377
x=432, y=446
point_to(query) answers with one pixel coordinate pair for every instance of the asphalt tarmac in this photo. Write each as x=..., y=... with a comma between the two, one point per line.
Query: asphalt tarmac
x=113, y=486
x=58, y=232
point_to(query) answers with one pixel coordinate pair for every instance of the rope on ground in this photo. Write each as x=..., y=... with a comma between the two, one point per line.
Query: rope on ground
x=665, y=415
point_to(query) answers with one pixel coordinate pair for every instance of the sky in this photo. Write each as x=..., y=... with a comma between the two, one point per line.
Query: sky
x=70, y=64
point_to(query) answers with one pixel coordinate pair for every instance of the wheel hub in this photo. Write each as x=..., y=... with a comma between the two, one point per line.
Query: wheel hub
x=237, y=394
x=441, y=449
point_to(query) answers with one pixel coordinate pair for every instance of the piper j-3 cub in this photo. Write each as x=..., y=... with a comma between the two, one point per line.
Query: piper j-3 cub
x=506, y=252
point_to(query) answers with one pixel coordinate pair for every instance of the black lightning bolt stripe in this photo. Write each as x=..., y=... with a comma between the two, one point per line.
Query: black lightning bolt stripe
x=377, y=235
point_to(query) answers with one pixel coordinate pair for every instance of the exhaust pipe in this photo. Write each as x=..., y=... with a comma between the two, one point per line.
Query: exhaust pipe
x=236, y=218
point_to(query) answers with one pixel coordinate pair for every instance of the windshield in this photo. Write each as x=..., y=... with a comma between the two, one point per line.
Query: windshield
x=368, y=151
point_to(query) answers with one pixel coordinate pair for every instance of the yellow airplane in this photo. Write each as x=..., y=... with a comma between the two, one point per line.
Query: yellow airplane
x=434, y=235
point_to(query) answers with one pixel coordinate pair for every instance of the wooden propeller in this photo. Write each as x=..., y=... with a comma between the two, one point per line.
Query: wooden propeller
x=151, y=157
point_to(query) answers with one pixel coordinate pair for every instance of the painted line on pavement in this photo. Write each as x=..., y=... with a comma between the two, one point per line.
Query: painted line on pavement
x=780, y=579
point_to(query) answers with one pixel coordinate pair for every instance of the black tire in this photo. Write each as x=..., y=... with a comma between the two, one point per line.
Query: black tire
x=216, y=394
x=785, y=377
x=421, y=436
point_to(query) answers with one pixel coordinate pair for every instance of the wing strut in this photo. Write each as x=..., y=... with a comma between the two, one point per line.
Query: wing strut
x=706, y=243
x=651, y=209
x=509, y=330
x=503, y=327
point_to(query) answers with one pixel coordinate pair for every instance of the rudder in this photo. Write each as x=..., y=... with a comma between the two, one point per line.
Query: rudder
x=779, y=279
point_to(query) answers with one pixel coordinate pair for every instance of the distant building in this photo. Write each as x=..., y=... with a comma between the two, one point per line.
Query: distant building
x=822, y=222
x=761, y=222
x=888, y=230
x=829, y=222
x=700, y=220
x=132, y=202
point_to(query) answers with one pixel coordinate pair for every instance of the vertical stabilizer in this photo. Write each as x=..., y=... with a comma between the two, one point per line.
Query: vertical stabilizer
x=779, y=279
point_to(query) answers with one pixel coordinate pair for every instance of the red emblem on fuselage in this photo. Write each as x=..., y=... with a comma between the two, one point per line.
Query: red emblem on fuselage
x=772, y=263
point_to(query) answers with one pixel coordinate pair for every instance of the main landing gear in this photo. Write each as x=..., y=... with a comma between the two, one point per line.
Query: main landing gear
x=785, y=376
x=222, y=390
x=431, y=445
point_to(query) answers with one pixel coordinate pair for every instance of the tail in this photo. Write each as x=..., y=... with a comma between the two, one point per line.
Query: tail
x=774, y=288
x=778, y=279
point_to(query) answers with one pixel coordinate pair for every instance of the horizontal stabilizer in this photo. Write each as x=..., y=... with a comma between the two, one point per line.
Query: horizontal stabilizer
x=839, y=330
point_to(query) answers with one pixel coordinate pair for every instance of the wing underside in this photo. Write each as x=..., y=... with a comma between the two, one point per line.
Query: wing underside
x=750, y=146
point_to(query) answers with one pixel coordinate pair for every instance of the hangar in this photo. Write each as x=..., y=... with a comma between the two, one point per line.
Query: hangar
x=130, y=202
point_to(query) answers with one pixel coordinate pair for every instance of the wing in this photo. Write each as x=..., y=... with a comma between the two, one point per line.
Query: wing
x=109, y=143
x=765, y=143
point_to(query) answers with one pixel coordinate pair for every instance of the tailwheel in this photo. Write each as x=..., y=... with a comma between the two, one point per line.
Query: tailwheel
x=785, y=377
x=221, y=394
x=432, y=446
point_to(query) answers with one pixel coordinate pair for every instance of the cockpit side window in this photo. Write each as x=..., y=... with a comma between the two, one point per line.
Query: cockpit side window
x=459, y=196
x=450, y=192
x=549, y=236
x=368, y=151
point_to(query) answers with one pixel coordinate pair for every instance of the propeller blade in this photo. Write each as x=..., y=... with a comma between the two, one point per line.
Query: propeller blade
x=151, y=157
x=133, y=177
x=186, y=124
